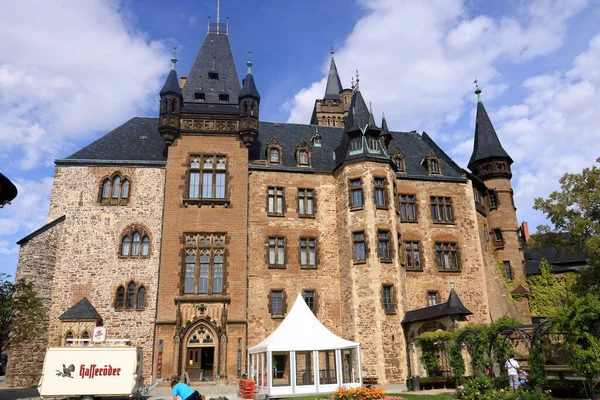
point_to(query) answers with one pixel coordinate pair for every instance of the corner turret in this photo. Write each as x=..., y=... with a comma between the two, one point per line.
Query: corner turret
x=249, y=102
x=170, y=106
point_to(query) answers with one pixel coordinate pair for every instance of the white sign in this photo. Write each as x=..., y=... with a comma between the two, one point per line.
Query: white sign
x=99, y=335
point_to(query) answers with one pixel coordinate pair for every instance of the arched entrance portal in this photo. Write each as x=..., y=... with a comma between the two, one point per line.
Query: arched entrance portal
x=200, y=354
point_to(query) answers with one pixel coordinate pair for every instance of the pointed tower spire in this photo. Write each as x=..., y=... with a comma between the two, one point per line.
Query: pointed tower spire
x=334, y=84
x=487, y=145
x=248, y=85
x=358, y=115
x=249, y=102
x=172, y=82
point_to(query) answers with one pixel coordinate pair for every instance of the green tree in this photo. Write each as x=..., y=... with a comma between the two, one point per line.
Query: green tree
x=580, y=322
x=22, y=313
x=575, y=209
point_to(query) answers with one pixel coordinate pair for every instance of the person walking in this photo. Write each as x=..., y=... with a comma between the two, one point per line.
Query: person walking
x=512, y=367
x=184, y=391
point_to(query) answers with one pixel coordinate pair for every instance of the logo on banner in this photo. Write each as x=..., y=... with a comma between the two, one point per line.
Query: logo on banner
x=66, y=371
x=99, y=335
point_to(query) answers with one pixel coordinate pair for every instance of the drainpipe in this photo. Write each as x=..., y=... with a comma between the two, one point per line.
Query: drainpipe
x=247, y=260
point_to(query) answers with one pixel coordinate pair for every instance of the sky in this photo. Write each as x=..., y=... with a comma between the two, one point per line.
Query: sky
x=74, y=70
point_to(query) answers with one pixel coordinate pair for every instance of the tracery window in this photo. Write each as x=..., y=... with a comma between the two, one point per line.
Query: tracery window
x=204, y=263
x=114, y=190
x=447, y=256
x=130, y=297
x=207, y=177
x=135, y=243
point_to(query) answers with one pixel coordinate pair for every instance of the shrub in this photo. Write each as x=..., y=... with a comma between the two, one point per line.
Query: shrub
x=361, y=393
x=483, y=388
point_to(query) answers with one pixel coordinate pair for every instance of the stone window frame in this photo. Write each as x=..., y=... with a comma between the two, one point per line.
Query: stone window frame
x=129, y=233
x=275, y=196
x=498, y=238
x=303, y=147
x=399, y=160
x=308, y=247
x=365, y=244
x=304, y=194
x=383, y=186
x=274, y=145
x=404, y=202
x=200, y=200
x=277, y=245
x=508, y=271
x=442, y=210
x=67, y=337
x=314, y=297
x=388, y=298
x=214, y=244
x=122, y=293
x=453, y=251
x=432, y=295
x=493, y=200
x=283, y=303
x=356, y=188
x=433, y=164
x=411, y=252
x=108, y=182
x=384, y=236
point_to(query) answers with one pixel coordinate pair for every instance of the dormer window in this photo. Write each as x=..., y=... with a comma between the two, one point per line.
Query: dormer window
x=274, y=156
x=355, y=145
x=199, y=97
x=303, y=154
x=399, y=163
x=303, y=157
x=432, y=163
x=373, y=144
x=224, y=98
x=434, y=167
x=213, y=76
x=316, y=140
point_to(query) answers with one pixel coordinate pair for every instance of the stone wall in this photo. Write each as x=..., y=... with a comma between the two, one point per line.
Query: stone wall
x=88, y=263
x=37, y=259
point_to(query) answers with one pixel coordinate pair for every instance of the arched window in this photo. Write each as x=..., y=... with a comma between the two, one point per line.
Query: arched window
x=218, y=272
x=145, y=246
x=141, y=298
x=125, y=246
x=120, y=301
x=68, y=336
x=125, y=189
x=85, y=335
x=116, y=187
x=373, y=143
x=106, y=189
x=130, y=296
x=135, y=248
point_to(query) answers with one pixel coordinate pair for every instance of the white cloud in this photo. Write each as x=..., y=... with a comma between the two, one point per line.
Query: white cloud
x=67, y=70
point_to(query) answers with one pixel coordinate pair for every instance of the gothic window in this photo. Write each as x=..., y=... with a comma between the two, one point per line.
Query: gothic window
x=432, y=163
x=204, y=263
x=441, y=209
x=373, y=144
x=207, y=178
x=135, y=243
x=355, y=145
x=306, y=202
x=388, y=299
x=383, y=246
x=303, y=157
x=408, y=208
x=274, y=156
x=68, y=336
x=360, y=253
x=114, y=190
x=275, y=201
x=356, y=193
x=413, y=256
x=447, y=256
x=399, y=163
x=276, y=252
x=130, y=297
x=380, y=192
x=85, y=336
x=434, y=167
x=308, y=253
x=274, y=152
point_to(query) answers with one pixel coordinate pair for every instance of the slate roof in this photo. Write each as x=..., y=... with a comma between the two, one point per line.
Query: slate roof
x=8, y=190
x=249, y=87
x=334, y=85
x=451, y=307
x=83, y=309
x=560, y=260
x=171, y=84
x=41, y=230
x=136, y=141
x=215, y=55
x=487, y=144
x=414, y=147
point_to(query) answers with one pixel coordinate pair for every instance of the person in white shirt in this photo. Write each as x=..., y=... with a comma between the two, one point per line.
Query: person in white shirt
x=512, y=367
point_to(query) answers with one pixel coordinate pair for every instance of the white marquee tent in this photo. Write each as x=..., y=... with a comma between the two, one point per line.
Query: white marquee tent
x=302, y=356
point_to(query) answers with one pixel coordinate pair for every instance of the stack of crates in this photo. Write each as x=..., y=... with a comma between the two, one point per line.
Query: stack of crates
x=247, y=388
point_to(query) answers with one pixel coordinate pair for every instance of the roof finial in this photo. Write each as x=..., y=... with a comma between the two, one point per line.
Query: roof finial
x=352, y=83
x=357, y=80
x=249, y=63
x=477, y=90
x=174, y=58
x=332, y=51
x=208, y=25
x=218, y=12
x=452, y=284
x=371, y=108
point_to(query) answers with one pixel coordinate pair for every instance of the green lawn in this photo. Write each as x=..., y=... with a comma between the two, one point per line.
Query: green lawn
x=424, y=396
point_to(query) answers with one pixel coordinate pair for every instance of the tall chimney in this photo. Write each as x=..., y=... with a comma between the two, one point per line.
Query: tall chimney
x=182, y=81
x=524, y=231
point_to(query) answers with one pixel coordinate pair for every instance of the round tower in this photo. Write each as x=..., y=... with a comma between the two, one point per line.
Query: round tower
x=170, y=106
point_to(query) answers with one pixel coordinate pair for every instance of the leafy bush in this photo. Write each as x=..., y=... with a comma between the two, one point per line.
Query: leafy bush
x=483, y=388
x=361, y=393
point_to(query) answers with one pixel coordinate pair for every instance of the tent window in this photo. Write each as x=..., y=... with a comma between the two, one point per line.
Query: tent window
x=304, y=368
x=327, y=369
x=281, y=369
x=350, y=370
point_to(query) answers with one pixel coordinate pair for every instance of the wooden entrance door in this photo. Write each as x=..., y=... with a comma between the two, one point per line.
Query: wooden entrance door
x=193, y=363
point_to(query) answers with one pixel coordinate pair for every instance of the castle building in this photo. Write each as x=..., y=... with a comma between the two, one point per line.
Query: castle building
x=190, y=234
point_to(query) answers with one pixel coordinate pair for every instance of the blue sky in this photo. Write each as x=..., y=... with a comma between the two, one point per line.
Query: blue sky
x=74, y=70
